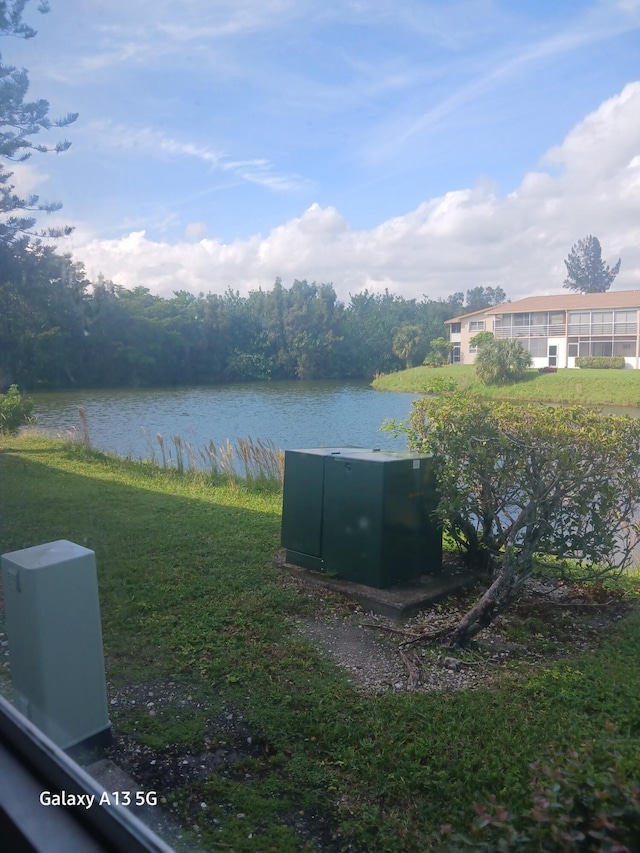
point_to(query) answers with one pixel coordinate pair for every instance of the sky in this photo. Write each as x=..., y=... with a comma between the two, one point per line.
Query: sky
x=421, y=147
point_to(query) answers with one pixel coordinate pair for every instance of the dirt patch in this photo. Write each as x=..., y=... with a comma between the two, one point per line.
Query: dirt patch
x=228, y=748
x=550, y=620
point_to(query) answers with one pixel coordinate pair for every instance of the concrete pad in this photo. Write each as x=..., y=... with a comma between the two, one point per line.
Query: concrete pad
x=396, y=602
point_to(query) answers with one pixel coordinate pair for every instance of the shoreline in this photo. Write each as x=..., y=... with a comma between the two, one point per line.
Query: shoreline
x=593, y=388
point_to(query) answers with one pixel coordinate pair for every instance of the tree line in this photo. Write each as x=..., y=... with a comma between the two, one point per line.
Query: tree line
x=59, y=330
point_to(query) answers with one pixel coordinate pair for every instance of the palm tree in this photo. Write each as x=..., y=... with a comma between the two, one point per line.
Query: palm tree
x=502, y=361
x=408, y=343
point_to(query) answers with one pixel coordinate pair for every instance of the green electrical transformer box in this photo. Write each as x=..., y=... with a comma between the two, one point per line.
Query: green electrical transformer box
x=302, y=503
x=361, y=515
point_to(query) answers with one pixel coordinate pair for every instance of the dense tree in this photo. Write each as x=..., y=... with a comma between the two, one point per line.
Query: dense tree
x=439, y=351
x=586, y=271
x=58, y=330
x=20, y=121
x=520, y=481
x=501, y=361
x=370, y=325
x=484, y=297
x=42, y=316
x=41, y=294
x=409, y=343
x=456, y=303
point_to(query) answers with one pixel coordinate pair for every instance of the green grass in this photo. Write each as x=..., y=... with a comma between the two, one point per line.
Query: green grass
x=585, y=387
x=188, y=593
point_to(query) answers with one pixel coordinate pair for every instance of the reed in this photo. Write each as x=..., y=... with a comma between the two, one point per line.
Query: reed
x=261, y=460
x=79, y=433
x=160, y=439
x=252, y=461
x=256, y=462
x=84, y=428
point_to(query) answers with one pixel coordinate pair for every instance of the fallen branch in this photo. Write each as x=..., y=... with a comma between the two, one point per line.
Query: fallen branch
x=412, y=664
x=384, y=628
x=584, y=603
x=430, y=637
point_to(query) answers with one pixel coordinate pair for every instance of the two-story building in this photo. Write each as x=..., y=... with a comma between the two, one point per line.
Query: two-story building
x=557, y=329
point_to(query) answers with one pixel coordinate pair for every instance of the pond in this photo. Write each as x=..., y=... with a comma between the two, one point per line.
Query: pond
x=290, y=414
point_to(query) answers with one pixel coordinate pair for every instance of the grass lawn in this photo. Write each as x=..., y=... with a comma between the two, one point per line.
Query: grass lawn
x=189, y=597
x=585, y=387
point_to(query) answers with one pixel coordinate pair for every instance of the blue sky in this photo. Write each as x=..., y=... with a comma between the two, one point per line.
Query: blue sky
x=426, y=147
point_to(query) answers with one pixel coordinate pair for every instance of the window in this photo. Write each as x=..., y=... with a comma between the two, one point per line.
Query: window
x=579, y=322
x=582, y=317
x=522, y=319
x=602, y=322
x=476, y=325
x=601, y=316
x=625, y=348
x=572, y=350
x=625, y=322
x=536, y=347
x=456, y=328
x=601, y=348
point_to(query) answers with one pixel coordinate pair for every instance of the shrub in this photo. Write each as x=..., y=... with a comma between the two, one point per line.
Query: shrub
x=515, y=481
x=575, y=808
x=502, y=361
x=440, y=350
x=481, y=339
x=601, y=362
x=439, y=385
x=547, y=370
x=15, y=410
x=433, y=359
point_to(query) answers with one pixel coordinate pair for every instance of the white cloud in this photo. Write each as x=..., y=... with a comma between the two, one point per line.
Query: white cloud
x=195, y=230
x=150, y=142
x=462, y=239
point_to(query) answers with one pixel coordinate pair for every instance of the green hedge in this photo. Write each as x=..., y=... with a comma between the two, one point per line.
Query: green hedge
x=601, y=362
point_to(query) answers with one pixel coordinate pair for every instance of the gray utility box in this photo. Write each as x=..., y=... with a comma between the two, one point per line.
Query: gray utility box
x=55, y=641
x=362, y=515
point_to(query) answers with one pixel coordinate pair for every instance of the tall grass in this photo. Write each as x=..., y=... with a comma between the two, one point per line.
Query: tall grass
x=255, y=462
x=248, y=460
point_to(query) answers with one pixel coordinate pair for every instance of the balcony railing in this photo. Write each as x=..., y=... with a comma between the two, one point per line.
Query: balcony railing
x=543, y=330
x=559, y=330
x=602, y=329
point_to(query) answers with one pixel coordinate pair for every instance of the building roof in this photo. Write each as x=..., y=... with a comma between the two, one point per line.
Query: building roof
x=570, y=302
x=563, y=302
x=480, y=311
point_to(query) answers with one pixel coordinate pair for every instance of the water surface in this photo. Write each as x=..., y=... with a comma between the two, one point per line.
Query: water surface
x=290, y=414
